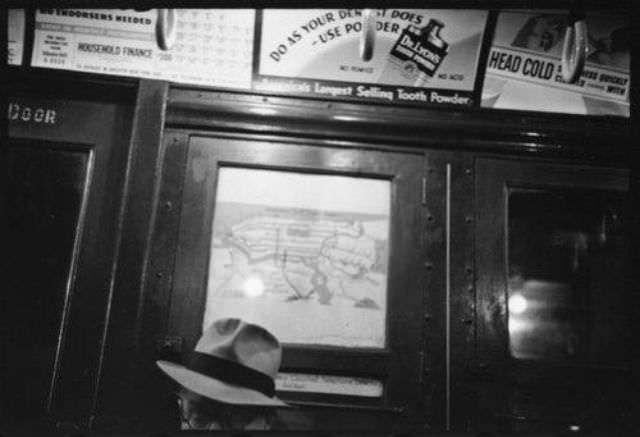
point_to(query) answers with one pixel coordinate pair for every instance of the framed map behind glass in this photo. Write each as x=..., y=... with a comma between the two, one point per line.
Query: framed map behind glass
x=326, y=246
x=303, y=254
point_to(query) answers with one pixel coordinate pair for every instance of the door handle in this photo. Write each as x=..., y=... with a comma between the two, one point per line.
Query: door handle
x=166, y=28
x=574, y=48
x=368, y=35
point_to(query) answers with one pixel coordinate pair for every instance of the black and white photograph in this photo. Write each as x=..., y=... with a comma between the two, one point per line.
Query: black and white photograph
x=331, y=219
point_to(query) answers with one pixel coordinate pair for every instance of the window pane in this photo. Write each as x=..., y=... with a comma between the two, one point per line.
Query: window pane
x=568, y=256
x=44, y=195
x=305, y=255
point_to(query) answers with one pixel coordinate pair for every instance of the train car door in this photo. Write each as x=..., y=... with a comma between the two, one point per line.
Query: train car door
x=554, y=297
x=65, y=171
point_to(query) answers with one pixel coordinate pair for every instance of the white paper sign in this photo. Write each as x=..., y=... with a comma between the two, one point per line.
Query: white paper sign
x=524, y=65
x=329, y=384
x=325, y=44
x=304, y=255
x=213, y=46
x=15, y=36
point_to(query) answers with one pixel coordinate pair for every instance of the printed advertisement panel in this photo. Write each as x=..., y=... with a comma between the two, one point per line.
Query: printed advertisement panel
x=304, y=255
x=212, y=46
x=419, y=56
x=524, y=68
x=15, y=36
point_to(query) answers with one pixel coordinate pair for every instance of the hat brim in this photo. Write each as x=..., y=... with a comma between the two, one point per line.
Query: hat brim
x=216, y=389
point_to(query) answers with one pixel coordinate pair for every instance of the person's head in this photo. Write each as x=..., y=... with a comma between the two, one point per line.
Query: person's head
x=200, y=413
x=229, y=381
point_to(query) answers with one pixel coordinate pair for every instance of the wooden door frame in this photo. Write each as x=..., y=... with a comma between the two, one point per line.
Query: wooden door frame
x=101, y=129
x=494, y=177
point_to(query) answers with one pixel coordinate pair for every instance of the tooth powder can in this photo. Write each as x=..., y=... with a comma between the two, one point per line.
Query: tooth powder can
x=415, y=56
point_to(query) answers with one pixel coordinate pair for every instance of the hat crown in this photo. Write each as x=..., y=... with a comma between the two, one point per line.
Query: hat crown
x=243, y=343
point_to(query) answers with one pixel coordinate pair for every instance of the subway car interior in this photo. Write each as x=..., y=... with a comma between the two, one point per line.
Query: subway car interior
x=165, y=173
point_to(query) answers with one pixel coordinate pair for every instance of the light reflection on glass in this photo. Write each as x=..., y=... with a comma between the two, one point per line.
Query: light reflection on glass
x=518, y=326
x=517, y=304
x=567, y=276
x=535, y=319
x=253, y=287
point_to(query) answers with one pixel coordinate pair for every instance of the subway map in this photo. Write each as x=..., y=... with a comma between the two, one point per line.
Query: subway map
x=300, y=265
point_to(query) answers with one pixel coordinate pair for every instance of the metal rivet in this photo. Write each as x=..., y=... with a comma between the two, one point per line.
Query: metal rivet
x=430, y=218
x=469, y=270
x=168, y=204
x=427, y=317
x=467, y=171
x=467, y=219
x=428, y=265
x=159, y=274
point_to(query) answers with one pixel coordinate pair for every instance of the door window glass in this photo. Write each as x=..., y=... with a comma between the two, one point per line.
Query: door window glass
x=568, y=276
x=45, y=193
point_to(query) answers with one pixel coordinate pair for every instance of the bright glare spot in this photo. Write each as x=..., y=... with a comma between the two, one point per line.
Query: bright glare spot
x=574, y=428
x=517, y=327
x=517, y=304
x=253, y=287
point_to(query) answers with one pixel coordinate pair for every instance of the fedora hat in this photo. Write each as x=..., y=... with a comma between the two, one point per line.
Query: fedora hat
x=234, y=362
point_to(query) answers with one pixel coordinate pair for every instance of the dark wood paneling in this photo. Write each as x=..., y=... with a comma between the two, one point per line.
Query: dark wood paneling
x=434, y=372
x=634, y=198
x=458, y=197
x=73, y=400
x=39, y=82
x=512, y=132
x=121, y=382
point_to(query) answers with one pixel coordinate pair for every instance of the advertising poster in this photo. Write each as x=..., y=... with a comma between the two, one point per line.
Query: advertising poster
x=524, y=68
x=419, y=56
x=304, y=255
x=212, y=47
x=15, y=36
